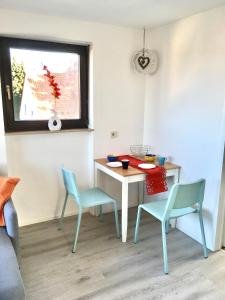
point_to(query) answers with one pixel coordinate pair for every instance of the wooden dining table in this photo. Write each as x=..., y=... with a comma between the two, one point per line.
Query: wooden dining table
x=129, y=176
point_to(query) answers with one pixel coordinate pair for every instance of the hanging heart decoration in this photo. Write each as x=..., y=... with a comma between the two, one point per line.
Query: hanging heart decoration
x=143, y=61
x=146, y=63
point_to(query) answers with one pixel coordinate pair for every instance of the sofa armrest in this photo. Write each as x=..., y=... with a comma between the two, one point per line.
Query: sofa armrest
x=12, y=227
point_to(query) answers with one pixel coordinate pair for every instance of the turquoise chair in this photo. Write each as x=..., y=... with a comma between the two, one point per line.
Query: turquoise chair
x=85, y=199
x=183, y=199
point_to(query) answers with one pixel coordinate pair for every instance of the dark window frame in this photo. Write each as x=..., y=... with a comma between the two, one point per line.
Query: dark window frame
x=6, y=79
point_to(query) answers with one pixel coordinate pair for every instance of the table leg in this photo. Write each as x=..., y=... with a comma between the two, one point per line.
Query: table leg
x=96, y=177
x=93, y=210
x=124, y=219
x=176, y=176
x=141, y=192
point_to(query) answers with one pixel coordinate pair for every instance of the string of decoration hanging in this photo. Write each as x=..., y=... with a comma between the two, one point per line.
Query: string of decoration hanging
x=146, y=60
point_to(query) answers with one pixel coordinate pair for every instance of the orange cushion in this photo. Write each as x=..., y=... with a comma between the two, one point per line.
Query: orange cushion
x=7, y=185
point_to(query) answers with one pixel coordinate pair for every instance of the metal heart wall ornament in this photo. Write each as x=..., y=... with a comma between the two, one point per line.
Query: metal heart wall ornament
x=145, y=61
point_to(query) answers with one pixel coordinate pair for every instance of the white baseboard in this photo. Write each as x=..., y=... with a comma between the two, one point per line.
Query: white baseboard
x=107, y=209
x=40, y=220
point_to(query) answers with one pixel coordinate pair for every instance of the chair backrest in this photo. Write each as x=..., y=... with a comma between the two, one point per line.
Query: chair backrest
x=70, y=184
x=185, y=195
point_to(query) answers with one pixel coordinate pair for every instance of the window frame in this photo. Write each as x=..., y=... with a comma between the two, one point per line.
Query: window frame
x=6, y=79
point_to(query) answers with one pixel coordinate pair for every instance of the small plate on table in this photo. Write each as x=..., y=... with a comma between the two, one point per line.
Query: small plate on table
x=114, y=164
x=146, y=166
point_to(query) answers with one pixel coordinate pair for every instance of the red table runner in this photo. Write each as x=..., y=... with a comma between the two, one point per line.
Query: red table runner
x=155, y=179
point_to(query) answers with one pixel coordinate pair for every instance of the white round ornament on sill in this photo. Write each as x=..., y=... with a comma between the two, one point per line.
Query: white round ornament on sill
x=54, y=123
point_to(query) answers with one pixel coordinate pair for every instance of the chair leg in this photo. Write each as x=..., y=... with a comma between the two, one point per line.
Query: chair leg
x=77, y=230
x=205, y=250
x=116, y=220
x=63, y=211
x=100, y=213
x=137, y=225
x=165, y=258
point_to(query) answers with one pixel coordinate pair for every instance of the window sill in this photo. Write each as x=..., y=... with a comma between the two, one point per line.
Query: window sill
x=49, y=132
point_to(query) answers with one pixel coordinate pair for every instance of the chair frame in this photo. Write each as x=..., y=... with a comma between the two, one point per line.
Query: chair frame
x=72, y=190
x=171, y=202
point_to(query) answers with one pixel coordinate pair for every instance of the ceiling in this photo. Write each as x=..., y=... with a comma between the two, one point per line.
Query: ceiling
x=133, y=13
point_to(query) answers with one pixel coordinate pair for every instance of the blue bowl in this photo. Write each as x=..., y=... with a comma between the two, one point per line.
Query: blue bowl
x=112, y=158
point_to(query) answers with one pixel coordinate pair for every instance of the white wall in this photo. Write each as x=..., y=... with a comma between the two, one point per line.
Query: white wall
x=184, y=107
x=221, y=213
x=117, y=103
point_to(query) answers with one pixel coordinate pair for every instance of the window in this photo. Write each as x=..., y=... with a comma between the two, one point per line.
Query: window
x=27, y=94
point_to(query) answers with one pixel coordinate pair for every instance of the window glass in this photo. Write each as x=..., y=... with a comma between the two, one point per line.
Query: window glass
x=32, y=93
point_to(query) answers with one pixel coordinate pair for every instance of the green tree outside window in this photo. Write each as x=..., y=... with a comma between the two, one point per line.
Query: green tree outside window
x=18, y=77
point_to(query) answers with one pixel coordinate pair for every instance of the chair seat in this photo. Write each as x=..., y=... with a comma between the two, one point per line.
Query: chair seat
x=157, y=209
x=94, y=197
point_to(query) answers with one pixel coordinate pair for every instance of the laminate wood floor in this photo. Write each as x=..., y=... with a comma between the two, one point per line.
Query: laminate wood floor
x=105, y=268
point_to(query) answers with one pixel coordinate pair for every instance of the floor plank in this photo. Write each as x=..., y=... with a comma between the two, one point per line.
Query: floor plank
x=106, y=269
